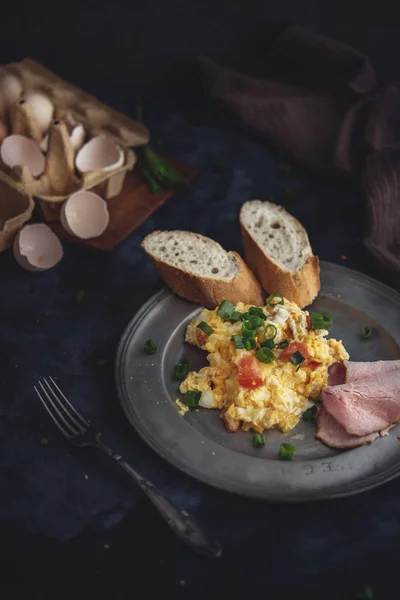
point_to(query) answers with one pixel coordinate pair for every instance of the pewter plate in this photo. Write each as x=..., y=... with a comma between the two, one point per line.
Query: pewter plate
x=198, y=443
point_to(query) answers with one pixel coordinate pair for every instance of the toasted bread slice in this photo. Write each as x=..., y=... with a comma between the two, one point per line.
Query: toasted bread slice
x=278, y=250
x=200, y=270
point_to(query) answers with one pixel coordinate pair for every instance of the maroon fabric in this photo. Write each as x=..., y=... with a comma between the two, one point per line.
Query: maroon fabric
x=319, y=101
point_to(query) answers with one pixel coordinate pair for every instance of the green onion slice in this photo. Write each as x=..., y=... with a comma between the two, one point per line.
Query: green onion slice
x=205, y=327
x=191, y=398
x=257, y=312
x=258, y=440
x=150, y=347
x=244, y=316
x=270, y=332
x=321, y=320
x=226, y=310
x=297, y=358
x=283, y=344
x=248, y=330
x=310, y=413
x=238, y=340
x=250, y=343
x=367, y=332
x=286, y=451
x=265, y=355
x=268, y=344
x=182, y=369
x=235, y=317
x=275, y=299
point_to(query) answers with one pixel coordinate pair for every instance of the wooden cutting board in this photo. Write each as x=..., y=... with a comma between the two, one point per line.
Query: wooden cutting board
x=133, y=205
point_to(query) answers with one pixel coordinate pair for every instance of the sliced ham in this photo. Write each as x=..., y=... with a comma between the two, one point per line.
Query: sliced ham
x=362, y=398
x=334, y=435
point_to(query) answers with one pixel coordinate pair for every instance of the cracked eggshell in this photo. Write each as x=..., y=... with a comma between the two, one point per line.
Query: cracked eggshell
x=18, y=150
x=99, y=154
x=37, y=248
x=85, y=215
x=42, y=109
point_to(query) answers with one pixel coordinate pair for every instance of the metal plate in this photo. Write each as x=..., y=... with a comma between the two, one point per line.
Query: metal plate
x=198, y=443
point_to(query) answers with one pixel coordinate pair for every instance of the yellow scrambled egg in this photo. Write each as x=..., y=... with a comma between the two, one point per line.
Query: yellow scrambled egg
x=250, y=393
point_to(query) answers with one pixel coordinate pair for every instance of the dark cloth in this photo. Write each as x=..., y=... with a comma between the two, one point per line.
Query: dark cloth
x=319, y=101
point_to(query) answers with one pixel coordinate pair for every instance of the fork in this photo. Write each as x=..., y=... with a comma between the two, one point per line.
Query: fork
x=80, y=432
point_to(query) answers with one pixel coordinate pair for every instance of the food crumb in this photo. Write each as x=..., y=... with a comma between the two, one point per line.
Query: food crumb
x=343, y=257
x=106, y=546
x=182, y=582
x=86, y=476
x=182, y=408
x=213, y=453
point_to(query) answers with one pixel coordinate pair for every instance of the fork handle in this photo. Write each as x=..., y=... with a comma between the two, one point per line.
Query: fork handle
x=181, y=522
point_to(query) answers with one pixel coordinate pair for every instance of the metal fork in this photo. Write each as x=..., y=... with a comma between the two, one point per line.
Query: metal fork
x=80, y=432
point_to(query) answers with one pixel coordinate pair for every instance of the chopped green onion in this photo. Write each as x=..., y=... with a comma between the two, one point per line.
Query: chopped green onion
x=275, y=299
x=101, y=362
x=257, y=312
x=247, y=330
x=205, y=327
x=43, y=441
x=254, y=322
x=283, y=344
x=284, y=169
x=265, y=355
x=191, y=398
x=297, y=358
x=182, y=369
x=321, y=320
x=244, y=316
x=226, y=310
x=270, y=332
x=310, y=413
x=286, y=451
x=268, y=344
x=367, y=332
x=236, y=316
x=258, y=440
x=150, y=347
x=250, y=343
x=239, y=342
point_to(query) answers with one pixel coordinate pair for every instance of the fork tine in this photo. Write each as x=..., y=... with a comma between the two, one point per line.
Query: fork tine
x=59, y=413
x=66, y=433
x=83, y=421
x=68, y=410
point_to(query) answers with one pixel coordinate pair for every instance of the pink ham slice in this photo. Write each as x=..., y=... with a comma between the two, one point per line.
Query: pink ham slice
x=334, y=435
x=352, y=409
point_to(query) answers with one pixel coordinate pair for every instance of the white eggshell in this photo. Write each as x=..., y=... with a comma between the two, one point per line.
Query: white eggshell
x=10, y=90
x=37, y=248
x=100, y=154
x=77, y=137
x=44, y=144
x=19, y=150
x=42, y=109
x=85, y=215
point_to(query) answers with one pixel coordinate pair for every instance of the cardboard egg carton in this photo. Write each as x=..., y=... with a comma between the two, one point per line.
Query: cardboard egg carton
x=60, y=178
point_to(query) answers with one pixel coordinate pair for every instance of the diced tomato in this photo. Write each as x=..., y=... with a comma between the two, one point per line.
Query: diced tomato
x=230, y=424
x=292, y=348
x=249, y=375
x=308, y=319
x=201, y=337
x=301, y=347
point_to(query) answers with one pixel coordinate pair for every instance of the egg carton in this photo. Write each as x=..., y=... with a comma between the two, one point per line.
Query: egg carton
x=37, y=104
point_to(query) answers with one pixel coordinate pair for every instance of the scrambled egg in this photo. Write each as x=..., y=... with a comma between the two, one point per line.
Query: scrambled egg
x=250, y=393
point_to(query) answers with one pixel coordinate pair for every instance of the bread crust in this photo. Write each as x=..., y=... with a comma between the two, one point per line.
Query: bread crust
x=207, y=291
x=300, y=287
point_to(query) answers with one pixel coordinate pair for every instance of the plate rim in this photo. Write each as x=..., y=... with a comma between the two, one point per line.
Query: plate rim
x=349, y=489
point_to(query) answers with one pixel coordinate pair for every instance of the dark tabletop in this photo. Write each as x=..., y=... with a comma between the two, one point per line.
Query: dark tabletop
x=116, y=51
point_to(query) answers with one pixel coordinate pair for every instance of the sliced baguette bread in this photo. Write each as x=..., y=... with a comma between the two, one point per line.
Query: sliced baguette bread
x=278, y=250
x=198, y=269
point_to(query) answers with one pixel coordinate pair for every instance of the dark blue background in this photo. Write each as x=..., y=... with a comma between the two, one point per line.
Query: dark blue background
x=116, y=51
